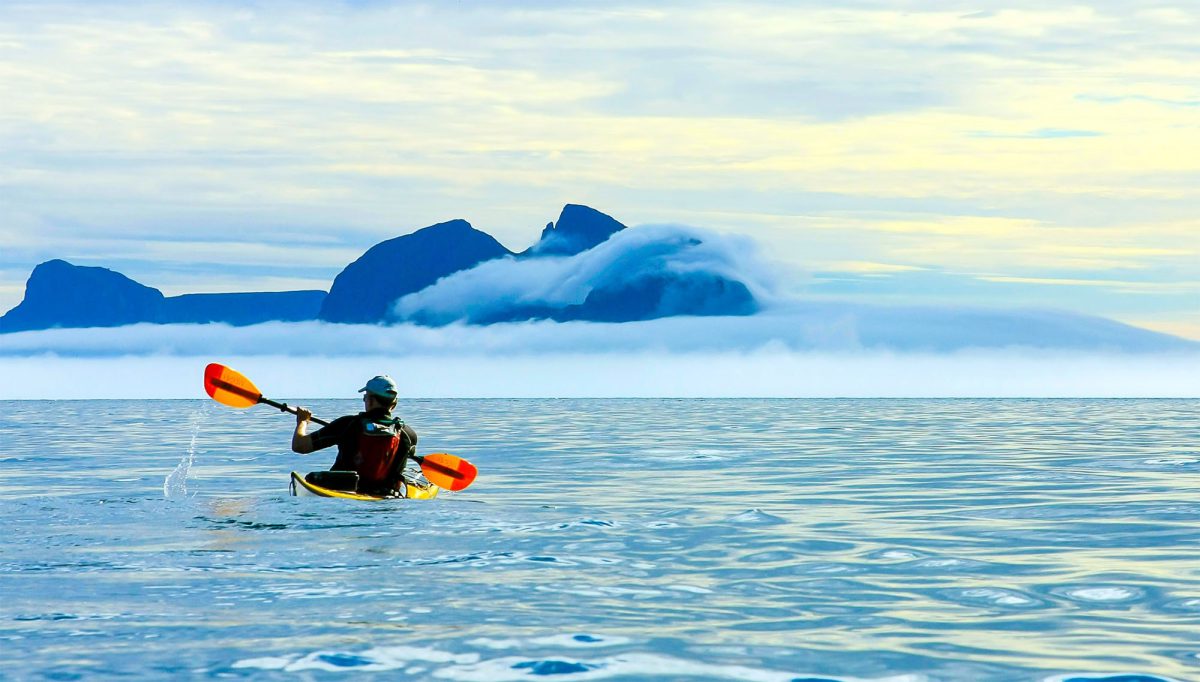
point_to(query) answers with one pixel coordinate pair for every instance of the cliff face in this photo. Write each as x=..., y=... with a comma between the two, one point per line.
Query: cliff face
x=365, y=291
x=59, y=294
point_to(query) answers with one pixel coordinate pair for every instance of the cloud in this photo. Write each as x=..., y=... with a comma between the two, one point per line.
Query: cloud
x=1126, y=295
x=1043, y=134
x=499, y=285
x=808, y=319
x=255, y=123
x=766, y=373
x=791, y=327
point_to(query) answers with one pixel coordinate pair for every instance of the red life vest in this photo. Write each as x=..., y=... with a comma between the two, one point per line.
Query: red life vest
x=379, y=442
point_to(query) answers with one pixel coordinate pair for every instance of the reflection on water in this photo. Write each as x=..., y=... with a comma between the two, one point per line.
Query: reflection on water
x=671, y=539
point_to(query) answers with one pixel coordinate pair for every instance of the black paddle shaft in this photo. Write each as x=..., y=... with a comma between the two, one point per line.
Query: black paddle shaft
x=284, y=407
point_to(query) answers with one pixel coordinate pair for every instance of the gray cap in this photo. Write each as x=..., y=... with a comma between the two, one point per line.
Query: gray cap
x=382, y=386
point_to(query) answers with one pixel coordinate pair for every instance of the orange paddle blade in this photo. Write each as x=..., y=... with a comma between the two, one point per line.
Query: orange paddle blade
x=230, y=388
x=447, y=471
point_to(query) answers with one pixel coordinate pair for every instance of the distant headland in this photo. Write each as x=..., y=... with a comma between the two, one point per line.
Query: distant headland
x=586, y=266
x=59, y=294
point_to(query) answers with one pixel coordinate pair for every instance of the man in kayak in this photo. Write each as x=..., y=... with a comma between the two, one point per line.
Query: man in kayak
x=372, y=443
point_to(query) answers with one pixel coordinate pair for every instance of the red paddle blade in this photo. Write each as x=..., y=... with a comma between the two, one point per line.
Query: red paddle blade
x=447, y=471
x=230, y=388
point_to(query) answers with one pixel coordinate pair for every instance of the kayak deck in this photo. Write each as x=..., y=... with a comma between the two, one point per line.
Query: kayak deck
x=412, y=491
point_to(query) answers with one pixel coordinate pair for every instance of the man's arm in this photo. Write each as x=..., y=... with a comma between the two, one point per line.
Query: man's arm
x=408, y=448
x=301, y=441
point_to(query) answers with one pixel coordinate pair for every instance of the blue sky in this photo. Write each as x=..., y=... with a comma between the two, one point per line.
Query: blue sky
x=933, y=152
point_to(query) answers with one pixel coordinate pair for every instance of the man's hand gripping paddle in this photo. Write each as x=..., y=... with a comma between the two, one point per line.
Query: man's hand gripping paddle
x=229, y=387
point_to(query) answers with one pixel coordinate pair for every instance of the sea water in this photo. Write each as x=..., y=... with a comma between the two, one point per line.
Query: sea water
x=763, y=540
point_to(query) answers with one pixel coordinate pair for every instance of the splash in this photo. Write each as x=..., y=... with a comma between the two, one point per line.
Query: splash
x=175, y=484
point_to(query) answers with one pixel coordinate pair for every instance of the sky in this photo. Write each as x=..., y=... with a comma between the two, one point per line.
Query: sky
x=1003, y=153
x=1006, y=155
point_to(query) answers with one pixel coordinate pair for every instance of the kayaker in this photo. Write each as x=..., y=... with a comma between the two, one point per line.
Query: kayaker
x=372, y=443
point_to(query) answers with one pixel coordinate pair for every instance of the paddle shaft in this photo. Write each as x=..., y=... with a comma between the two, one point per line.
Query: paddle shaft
x=284, y=407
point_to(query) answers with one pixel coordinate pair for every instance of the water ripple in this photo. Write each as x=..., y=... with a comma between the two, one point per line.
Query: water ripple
x=842, y=540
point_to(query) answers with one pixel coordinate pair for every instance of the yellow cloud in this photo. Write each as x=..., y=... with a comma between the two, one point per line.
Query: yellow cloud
x=334, y=120
x=870, y=268
x=236, y=90
x=1187, y=327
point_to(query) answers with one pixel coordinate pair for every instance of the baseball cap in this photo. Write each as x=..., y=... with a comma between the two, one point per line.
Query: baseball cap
x=382, y=386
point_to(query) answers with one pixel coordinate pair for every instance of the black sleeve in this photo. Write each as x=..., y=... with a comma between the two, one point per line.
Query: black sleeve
x=412, y=439
x=408, y=448
x=330, y=435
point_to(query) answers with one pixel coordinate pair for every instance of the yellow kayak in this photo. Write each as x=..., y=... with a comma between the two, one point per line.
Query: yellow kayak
x=412, y=490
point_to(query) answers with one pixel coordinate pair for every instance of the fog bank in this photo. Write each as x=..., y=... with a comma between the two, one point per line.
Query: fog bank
x=766, y=373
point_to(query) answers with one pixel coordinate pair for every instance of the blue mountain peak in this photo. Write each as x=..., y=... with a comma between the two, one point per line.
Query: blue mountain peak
x=366, y=289
x=578, y=229
x=59, y=294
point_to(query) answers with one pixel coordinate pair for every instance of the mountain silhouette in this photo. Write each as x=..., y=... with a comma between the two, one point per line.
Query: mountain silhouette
x=665, y=295
x=633, y=275
x=59, y=294
x=586, y=266
x=578, y=229
x=241, y=309
x=366, y=289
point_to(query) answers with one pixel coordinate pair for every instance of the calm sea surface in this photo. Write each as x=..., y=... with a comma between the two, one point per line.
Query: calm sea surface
x=762, y=540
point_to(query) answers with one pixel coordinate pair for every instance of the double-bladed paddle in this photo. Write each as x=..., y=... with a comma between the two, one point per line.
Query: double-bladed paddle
x=229, y=387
